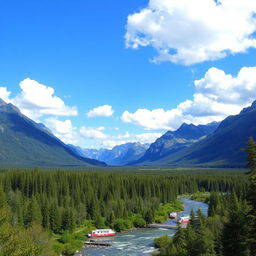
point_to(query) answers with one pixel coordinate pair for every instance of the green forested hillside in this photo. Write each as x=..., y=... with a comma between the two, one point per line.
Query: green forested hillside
x=25, y=143
x=223, y=147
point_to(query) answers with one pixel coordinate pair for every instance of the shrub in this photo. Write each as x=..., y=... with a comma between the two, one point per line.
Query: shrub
x=139, y=222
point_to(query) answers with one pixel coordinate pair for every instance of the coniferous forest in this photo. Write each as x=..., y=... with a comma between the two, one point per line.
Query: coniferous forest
x=229, y=230
x=48, y=206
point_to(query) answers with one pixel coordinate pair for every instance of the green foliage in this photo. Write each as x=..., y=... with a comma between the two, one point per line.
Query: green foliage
x=201, y=196
x=61, y=201
x=33, y=213
x=122, y=224
x=163, y=211
x=251, y=197
x=100, y=222
x=224, y=233
x=18, y=241
x=149, y=216
x=119, y=225
x=196, y=240
x=235, y=231
x=70, y=242
x=162, y=241
x=68, y=221
x=251, y=155
x=54, y=218
x=139, y=222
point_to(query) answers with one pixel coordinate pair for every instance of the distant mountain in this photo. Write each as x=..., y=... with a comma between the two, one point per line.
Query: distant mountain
x=24, y=143
x=174, y=141
x=118, y=155
x=122, y=154
x=224, y=147
x=84, y=152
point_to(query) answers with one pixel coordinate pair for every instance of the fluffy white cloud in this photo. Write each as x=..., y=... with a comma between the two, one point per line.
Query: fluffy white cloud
x=64, y=130
x=95, y=136
x=36, y=100
x=217, y=96
x=112, y=141
x=70, y=134
x=92, y=132
x=103, y=140
x=156, y=119
x=105, y=111
x=146, y=137
x=193, y=31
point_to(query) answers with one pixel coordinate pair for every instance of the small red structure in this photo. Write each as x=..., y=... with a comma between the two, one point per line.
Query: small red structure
x=184, y=219
x=102, y=233
x=173, y=215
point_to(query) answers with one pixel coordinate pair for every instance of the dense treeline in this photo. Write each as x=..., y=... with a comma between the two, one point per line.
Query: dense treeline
x=16, y=240
x=220, y=234
x=59, y=201
x=230, y=228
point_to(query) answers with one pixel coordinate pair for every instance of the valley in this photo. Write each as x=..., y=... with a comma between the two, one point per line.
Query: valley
x=131, y=120
x=126, y=187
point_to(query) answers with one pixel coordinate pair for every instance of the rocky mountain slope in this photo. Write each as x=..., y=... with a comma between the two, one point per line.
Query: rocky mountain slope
x=26, y=143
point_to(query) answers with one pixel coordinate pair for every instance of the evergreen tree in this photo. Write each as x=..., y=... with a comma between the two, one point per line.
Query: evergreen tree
x=111, y=218
x=251, y=196
x=45, y=214
x=251, y=155
x=213, y=204
x=180, y=241
x=3, y=202
x=235, y=231
x=33, y=214
x=149, y=216
x=68, y=222
x=55, y=218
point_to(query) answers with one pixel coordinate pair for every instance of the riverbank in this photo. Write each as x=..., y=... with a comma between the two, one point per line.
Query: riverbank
x=140, y=241
x=201, y=196
x=71, y=242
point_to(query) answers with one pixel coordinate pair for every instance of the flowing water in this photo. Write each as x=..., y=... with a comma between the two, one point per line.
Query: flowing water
x=140, y=242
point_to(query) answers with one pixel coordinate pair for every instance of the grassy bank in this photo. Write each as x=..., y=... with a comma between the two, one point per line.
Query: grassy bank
x=69, y=242
x=164, y=210
x=201, y=196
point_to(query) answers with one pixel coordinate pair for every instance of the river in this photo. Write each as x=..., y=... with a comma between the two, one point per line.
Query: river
x=140, y=242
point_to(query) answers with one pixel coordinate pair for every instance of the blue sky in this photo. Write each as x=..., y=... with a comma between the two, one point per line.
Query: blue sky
x=131, y=64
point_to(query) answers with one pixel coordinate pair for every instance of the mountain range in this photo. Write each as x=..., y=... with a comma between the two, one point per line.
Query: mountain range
x=175, y=141
x=222, y=148
x=118, y=155
x=27, y=143
x=24, y=143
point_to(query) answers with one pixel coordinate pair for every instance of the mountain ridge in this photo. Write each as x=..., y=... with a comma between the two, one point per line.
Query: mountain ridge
x=175, y=141
x=118, y=155
x=26, y=143
x=223, y=148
